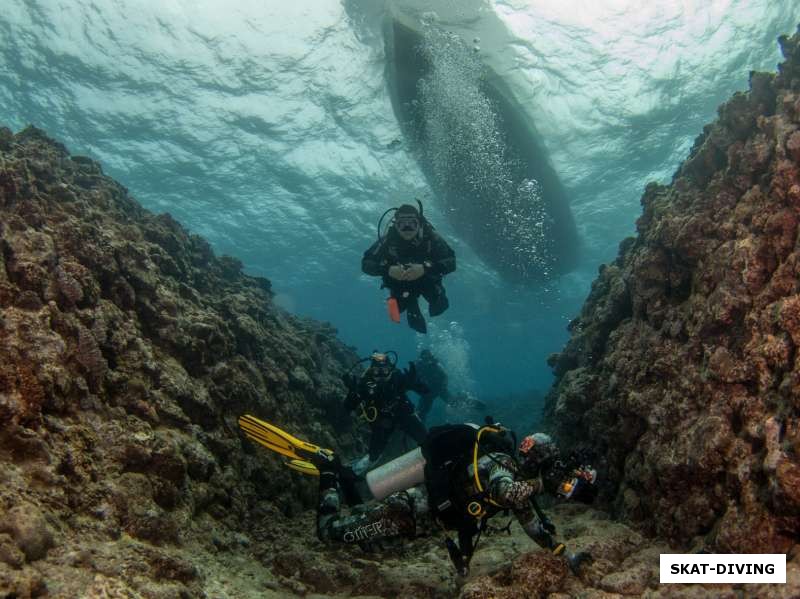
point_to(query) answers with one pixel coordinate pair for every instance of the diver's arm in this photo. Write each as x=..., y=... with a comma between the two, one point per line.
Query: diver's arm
x=408, y=380
x=442, y=260
x=510, y=493
x=353, y=397
x=352, y=400
x=374, y=262
x=534, y=528
x=520, y=497
x=517, y=495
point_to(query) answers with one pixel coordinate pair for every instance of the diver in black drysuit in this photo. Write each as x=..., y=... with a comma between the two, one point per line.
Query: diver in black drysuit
x=381, y=393
x=453, y=497
x=430, y=371
x=412, y=258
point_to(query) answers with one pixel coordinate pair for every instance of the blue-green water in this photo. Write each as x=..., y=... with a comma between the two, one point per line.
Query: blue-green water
x=267, y=128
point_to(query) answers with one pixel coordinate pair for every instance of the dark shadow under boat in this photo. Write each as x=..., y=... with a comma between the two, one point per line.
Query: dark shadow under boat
x=480, y=154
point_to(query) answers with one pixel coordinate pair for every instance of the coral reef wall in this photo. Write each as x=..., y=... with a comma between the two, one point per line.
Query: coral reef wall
x=127, y=352
x=683, y=368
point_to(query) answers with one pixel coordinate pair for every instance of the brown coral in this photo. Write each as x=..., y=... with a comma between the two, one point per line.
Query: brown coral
x=691, y=386
x=128, y=351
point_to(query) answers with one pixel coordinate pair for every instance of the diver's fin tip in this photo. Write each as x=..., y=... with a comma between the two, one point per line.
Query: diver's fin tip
x=271, y=437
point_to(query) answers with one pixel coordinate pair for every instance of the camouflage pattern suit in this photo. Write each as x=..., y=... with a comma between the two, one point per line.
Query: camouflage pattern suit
x=407, y=514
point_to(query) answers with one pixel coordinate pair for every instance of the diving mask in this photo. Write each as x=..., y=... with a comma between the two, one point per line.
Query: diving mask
x=380, y=368
x=407, y=223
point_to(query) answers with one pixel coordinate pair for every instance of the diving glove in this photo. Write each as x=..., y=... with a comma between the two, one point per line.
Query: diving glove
x=397, y=272
x=576, y=559
x=548, y=526
x=414, y=272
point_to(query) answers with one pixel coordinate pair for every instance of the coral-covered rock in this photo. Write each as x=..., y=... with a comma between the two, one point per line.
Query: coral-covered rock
x=10, y=553
x=682, y=371
x=27, y=526
x=129, y=350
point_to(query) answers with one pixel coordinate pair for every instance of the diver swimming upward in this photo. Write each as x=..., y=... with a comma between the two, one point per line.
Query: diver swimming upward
x=411, y=257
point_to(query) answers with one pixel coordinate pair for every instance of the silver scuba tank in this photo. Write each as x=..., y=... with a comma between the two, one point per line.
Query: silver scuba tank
x=400, y=474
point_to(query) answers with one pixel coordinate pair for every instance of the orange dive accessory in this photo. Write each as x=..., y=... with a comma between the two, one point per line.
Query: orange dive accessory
x=393, y=308
x=526, y=445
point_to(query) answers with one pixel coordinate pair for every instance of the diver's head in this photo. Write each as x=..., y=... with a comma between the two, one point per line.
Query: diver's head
x=380, y=368
x=426, y=355
x=407, y=222
x=536, y=453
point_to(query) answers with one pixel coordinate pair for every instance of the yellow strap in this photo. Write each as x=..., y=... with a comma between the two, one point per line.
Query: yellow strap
x=475, y=461
x=365, y=413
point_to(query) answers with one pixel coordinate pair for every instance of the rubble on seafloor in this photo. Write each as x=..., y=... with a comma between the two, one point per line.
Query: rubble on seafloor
x=128, y=350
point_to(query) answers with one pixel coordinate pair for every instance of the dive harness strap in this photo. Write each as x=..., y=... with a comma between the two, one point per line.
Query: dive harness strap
x=461, y=554
x=476, y=507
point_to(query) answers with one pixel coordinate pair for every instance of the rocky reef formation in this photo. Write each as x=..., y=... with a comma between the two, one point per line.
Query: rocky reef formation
x=683, y=368
x=508, y=565
x=128, y=351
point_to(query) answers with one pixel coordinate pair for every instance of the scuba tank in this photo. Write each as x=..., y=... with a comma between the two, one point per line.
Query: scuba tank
x=400, y=474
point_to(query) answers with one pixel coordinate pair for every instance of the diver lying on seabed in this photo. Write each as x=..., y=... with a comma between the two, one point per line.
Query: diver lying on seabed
x=459, y=477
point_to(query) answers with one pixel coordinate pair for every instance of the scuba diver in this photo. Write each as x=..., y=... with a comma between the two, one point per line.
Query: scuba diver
x=431, y=372
x=412, y=258
x=469, y=474
x=460, y=476
x=380, y=393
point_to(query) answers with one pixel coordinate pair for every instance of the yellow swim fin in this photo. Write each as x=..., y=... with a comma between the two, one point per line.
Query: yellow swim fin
x=279, y=441
x=303, y=467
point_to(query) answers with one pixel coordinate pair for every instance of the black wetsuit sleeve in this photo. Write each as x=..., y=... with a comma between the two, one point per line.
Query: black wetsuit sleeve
x=352, y=400
x=374, y=262
x=442, y=258
x=438, y=382
x=408, y=380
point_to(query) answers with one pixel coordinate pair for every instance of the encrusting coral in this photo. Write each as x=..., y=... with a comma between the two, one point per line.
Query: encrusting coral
x=683, y=369
x=129, y=349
